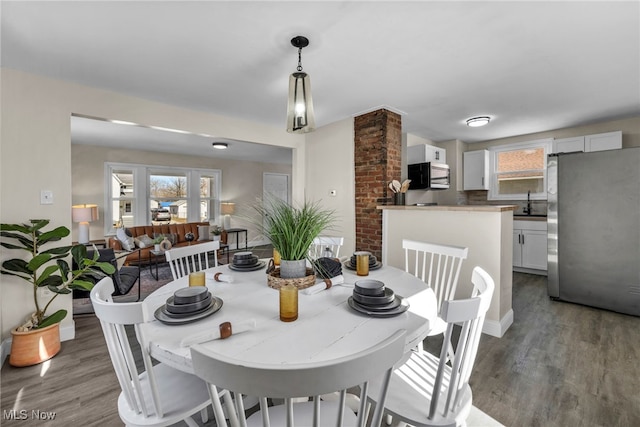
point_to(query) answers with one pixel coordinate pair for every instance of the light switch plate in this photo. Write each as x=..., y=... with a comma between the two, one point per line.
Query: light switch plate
x=46, y=197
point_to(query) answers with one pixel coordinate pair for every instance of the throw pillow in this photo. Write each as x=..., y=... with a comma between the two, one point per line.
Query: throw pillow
x=124, y=236
x=203, y=233
x=143, y=241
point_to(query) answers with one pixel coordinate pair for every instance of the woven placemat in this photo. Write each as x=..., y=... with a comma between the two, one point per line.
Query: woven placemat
x=276, y=282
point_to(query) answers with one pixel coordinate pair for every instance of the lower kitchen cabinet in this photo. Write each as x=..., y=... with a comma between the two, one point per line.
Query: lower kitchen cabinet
x=530, y=246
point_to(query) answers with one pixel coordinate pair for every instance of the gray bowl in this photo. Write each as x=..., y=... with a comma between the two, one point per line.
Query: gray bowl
x=174, y=308
x=190, y=295
x=369, y=287
x=245, y=261
x=242, y=255
x=385, y=299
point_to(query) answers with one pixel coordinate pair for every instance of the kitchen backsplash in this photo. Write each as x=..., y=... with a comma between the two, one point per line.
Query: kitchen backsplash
x=479, y=197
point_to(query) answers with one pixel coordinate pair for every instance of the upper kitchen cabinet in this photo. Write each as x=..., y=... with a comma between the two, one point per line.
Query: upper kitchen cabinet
x=423, y=153
x=603, y=141
x=476, y=170
x=596, y=142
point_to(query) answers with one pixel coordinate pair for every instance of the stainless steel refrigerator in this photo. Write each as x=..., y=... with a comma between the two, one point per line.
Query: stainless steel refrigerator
x=594, y=229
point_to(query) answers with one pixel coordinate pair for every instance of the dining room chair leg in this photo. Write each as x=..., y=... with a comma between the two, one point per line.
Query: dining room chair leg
x=204, y=415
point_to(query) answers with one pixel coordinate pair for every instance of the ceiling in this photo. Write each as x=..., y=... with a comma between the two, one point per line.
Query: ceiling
x=530, y=66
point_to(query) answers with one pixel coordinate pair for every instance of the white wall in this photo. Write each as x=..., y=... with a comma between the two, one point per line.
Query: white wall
x=35, y=154
x=330, y=166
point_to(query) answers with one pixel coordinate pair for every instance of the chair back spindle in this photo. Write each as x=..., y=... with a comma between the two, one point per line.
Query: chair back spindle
x=436, y=265
x=189, y=259
x=320, y=243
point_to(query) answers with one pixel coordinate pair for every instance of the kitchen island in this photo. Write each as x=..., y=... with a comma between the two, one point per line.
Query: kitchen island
x=487, y=230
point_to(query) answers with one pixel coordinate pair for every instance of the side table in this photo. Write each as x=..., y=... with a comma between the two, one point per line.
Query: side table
x=237, y=232
x=97, y=243
x=153, y=259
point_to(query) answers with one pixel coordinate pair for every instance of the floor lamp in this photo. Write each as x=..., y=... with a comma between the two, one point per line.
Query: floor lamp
x=227, y=209
x=83, y=215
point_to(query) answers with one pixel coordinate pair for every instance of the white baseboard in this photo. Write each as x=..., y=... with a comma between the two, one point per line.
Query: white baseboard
x=497, y=329
x=67, y=333
x=5, y=349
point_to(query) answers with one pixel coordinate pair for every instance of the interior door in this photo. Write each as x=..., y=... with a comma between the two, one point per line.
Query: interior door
x=275, y=185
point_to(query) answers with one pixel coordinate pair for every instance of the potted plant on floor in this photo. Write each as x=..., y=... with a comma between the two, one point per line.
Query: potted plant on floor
x=38, y=339
x=291, y=230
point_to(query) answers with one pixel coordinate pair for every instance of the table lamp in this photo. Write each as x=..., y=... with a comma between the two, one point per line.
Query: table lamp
x=83, y=215
x=227, y=209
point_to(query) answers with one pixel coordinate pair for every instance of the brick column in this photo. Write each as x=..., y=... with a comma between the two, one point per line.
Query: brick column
x=378, y=146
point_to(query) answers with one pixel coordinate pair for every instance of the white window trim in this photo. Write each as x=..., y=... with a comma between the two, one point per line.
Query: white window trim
x=493, y=194
x=141, y=175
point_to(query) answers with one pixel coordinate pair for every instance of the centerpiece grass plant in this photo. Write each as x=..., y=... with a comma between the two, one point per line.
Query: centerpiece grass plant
x=292, y=229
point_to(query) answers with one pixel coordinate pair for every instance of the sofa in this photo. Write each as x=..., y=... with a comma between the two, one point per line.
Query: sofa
x=174, y=232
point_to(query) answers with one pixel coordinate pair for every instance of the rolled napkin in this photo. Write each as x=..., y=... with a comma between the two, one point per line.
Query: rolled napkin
x=325, y=284
x=220, y=277
x=225, y=330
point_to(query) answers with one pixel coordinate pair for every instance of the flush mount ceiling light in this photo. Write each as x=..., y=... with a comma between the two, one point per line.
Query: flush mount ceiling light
x=300, y=108
x=220, y=145
x=475, y=122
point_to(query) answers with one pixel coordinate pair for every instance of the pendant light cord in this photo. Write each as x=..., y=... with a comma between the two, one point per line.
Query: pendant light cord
x=299, y=59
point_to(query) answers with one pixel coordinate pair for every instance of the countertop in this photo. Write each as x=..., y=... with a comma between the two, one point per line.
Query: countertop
x=529, y=218
x=468, y=208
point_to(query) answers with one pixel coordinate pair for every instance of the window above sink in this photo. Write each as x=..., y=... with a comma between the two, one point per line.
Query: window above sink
x=517, y=170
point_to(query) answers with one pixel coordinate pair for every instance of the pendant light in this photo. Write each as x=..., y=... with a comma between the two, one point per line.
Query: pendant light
x=300, y=108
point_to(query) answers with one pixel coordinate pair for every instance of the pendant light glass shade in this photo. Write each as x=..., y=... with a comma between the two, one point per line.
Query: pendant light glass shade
x=300, y=118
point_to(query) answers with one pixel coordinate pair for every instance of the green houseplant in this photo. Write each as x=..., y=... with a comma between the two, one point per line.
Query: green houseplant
x=292, y=229
x=47, y=268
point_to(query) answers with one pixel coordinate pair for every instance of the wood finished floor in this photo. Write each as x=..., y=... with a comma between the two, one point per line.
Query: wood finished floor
x=558, y=365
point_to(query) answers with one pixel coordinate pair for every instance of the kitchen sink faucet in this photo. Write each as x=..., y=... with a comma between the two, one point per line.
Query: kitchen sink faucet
x=527, y=210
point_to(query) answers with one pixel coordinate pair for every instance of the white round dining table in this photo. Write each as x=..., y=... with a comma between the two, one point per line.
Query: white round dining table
x=326, y=328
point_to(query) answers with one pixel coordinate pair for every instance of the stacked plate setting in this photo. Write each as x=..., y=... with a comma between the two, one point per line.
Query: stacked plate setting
x=373, y=262
x=187, y=305
x=372, y=297
x=245, y=261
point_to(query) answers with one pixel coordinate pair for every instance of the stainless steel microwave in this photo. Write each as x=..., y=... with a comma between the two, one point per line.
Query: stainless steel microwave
x=429, y=176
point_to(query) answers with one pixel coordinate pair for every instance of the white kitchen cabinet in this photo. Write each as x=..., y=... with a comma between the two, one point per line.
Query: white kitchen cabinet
x=476, y=170
x=603, y=141
x=568, y=145
x=423, y=153
x=530, y=246
x=595, y=142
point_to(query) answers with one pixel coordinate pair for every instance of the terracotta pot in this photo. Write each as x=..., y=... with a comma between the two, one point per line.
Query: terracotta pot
x=34, y=346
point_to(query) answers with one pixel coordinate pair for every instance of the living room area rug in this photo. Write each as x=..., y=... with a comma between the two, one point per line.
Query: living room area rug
x=149, y=283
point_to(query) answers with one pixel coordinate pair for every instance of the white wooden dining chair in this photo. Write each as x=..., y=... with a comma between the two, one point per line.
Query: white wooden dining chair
x=189, y=259
x=160, y=395
x=425, y=390
x=320, y=243
x=439, y=267
x=306, y=379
